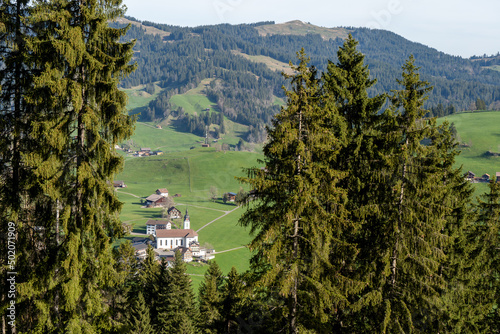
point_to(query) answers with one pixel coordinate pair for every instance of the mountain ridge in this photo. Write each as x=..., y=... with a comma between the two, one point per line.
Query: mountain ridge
x=247, y=66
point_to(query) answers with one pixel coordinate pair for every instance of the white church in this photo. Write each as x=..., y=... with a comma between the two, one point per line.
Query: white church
x=172, y=238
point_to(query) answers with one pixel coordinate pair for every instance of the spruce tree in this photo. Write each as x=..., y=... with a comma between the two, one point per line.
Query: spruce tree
x=346, y=85
x=232, y=304
x=297, y=213
x=126, y=269
x=484, y=288
x=23, y=199
x=176, y=307
x=210, y=300
x=138, y=320
x=416, y=212
x=66, y=208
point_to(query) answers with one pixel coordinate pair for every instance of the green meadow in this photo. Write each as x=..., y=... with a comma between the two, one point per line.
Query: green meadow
x=478, y=133
x=138, y=98
x=191, y=174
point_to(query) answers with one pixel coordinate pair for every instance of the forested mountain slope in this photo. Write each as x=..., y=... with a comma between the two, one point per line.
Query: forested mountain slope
x=245, y=89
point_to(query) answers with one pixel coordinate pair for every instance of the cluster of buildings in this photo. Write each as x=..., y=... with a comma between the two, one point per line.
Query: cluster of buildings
x=145, y=152
x=168, y=240
x=485, y=178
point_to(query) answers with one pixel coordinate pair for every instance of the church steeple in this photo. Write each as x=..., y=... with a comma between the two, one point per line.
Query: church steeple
x=187, y=223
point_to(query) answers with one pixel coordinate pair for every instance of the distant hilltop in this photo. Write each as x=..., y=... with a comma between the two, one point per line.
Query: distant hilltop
x=297, y=27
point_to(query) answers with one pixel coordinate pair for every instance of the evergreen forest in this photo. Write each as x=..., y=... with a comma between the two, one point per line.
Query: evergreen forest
x=360, y=221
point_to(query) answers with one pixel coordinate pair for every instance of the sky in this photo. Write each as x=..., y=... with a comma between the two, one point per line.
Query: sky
x=457, y=27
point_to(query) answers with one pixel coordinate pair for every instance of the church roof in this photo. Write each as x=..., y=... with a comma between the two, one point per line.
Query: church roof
x=176, y=233
x=157, y=222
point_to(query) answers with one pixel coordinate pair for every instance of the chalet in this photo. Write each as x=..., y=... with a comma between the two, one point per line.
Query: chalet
x=152, y=226
x=119, y=184
x=162, y=192
x=485, y=178
x=158, y=153
x=155, y=200
x=469, y=176
x=231, y=197
x=140, y=250
x=169, y=255
x=174, y=213
x=187, y=255
x=171, y=239
x=201, y=252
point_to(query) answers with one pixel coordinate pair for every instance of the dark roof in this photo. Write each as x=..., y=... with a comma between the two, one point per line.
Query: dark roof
x=172, y=209
x=177, y=233
x=156, y=222
x=139, y=246
x=232, y=194
x=139, y=239
x=154, y=198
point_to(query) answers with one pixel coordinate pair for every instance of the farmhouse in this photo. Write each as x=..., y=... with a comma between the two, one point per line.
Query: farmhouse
x=169, y=255
x=155, y=200
x=201, y=252
x=231, y=197
x=469, y=176
x=119, y=184
x=140, y=250
x=162, y=192
x=153, y=225
x=174, y=213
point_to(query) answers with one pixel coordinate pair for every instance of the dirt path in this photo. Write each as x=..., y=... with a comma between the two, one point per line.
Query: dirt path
x=227, y=212
x=122, y=192
x=229, y=250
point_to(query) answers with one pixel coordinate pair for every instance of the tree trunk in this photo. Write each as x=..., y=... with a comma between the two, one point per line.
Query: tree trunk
x=399, y=227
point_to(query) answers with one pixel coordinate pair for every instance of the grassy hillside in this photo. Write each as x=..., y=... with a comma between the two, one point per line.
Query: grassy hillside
x=147, y=29
x=478, y=133
x=494, y=67
x=138, y=98
x=271, y=63
x=166, y=139
x=194, y=100
x=169, y=138
x=301, y=28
